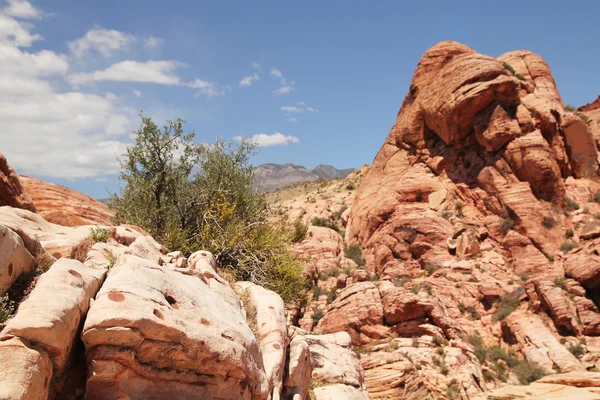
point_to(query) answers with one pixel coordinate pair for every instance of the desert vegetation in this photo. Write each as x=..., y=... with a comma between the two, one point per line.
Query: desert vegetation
x=193, y=196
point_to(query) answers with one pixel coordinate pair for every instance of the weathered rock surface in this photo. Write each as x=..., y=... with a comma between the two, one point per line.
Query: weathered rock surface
x=299, y=375
x=15, y=260
x=335, y=364
x=63, y=206
x=540, y=391
x=51, y=316
x=272, y=331
x=321, y=249
x=537, y=343
x=25, y=371
x=12, y=192
x=357, y=310
x=144, y=312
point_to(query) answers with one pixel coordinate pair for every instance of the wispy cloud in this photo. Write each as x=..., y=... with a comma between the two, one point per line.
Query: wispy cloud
x=266, y=140
x=296, y=109
x=22, y=9
x=152, y=42
x=256, y=66
x=137, y=93
x=248, y=80
x=158, y=72
x=100, y=40
x=285, y=88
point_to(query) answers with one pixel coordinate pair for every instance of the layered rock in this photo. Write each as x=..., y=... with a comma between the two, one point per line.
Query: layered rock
x=12, y=192
x=25, y=371
x=144, y=312
x=15, y=259
x=64, y=206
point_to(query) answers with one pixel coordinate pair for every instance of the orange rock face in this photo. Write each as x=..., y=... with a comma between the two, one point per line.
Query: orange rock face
x=63, y=206
x=494, y=135
x=12, y=192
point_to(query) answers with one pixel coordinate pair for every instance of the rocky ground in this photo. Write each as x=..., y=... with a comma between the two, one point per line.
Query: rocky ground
x=463, y=264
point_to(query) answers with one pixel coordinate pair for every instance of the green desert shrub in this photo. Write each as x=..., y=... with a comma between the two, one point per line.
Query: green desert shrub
x=99, y=235
x=506, y=305
x=354, y=253
x=572, y=205
x=569, y=233
x=192, y=196
x=7, y=308
x=567, y=246
x=299, y=231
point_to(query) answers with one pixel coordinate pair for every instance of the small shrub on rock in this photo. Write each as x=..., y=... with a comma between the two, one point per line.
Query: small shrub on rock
x=354, y=253
x=569, y=233
x=7, y=308
x=99, y=235
x=316, y=316
x=506, y=305
x=572, y=205
x=567, y=246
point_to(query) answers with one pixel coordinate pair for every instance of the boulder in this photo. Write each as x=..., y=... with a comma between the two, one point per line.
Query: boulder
x=299, y=370
x=584, y=267
x=321, y=249
x=340, y=392
x=157, y=333
x=537, y=343
x=12, y=192
x=25, y=371
x=334, y=361
x=357, y=307
x=51, y=316
x=15, y=260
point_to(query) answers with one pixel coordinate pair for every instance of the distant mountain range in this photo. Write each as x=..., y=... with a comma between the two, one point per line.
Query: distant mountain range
x=269, y=177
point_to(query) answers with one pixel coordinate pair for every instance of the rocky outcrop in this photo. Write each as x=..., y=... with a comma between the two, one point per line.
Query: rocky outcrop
x=464, y=128
x=537, y=343
x=12, y=192
x=64, y=206
x=15, y=259
x=272, y=331
x=300, y=367
x=322, y=250
x=357, y=310
x=336, y=368
x=25, y=371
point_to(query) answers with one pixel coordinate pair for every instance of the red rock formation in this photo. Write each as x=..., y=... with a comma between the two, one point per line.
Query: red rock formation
x=491, y=132
x=63, y=206
x=12, y=192
x=594, y=105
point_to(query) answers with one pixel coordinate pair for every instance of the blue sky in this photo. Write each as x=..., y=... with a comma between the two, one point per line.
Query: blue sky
x=325, y=77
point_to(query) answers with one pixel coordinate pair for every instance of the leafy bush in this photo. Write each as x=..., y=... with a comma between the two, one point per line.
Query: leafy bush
x=506, y=305
x=338, y=214
x=527, y=372
x=99, y=235
x=571, y=204
x=299, y=231
x=354, y=253
x=430, y=269
x=459, y=209
x=584, y=117
x=193, y=196
x=548, y=222
x=520, y=77
x=567, y=246
x=326, y=223
x=508, y=67
x=7, y=308
x=316, y=316
x=576, y=350
x=569, y=233
x=506, y=223
x=597, y=197
x=569, y=107
x=560, y=282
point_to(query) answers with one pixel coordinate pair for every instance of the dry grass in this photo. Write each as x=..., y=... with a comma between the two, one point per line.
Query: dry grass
x=80, y=251
x=43, y=262
x=251, y=312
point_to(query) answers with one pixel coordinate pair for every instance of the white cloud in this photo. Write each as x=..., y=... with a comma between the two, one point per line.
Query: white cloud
x=276, y=73
x=292, y=119
x=152, y=42
x=283, y=90
x=300, y=103
x=47, y=132
x=159, y=72
x=292, y=109
x=137, y=93
x=256, y=66
x=101, y=180
x=16, y=32
x=311, y=109
x=285, y=87
x=22, y=9
x=266, y=140
x=248, y=80
x=103, y=41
